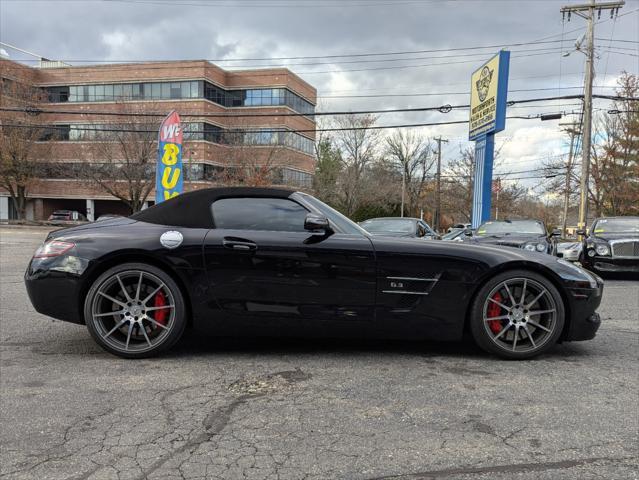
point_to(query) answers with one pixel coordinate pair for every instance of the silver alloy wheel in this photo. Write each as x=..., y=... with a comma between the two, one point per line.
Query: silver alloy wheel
x=133, y=311
x=520, y=315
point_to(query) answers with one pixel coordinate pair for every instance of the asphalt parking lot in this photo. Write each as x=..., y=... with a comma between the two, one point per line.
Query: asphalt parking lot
x=308, y=409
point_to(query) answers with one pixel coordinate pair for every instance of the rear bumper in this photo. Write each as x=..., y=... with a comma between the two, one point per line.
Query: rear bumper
x=55, y=293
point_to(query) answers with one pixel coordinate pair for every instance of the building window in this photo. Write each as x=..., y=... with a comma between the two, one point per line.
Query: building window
x=55, y=133
x=256, y=97
x=288, y=176
x=58, y=94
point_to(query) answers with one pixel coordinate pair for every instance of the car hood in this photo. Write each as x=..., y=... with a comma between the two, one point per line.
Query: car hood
x=508, y=240
x=393, y=234
x=457, y=249
x=615, y=236
x=489, y=255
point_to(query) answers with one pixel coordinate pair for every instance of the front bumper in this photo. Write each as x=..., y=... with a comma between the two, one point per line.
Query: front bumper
x=583, y=321
x=612, y=265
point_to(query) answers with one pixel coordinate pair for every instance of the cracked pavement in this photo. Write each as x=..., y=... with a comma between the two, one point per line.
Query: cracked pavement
x=308, y=409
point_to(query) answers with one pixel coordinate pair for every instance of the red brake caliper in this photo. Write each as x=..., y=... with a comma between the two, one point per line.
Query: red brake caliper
x=160, y=301
x=494, y=310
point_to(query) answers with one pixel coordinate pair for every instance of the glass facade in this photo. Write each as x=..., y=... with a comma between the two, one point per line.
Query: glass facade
x=192, y=172
x=193, y=131
x=280, y=137
x=258, y=97
x=296, y=177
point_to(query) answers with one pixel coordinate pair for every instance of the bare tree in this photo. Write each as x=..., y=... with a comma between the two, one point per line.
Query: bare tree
x=412, y=153
x=457, y=191
x=615, y=179
x=358, y=144
x=328, y=169
x=21, y=140
x=255, y=156
x=123, y=155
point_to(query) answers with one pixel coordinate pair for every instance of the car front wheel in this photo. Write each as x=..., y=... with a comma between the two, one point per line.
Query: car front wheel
x=517, y=315
x=135, y=310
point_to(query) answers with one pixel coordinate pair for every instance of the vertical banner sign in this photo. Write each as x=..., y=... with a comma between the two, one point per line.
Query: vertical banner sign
x=168, y=173
x=488, y=92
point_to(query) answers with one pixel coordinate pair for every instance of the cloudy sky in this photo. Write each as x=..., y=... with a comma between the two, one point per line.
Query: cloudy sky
x=446, y=36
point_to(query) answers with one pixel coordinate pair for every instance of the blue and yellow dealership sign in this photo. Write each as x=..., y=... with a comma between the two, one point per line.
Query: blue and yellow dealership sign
x=488, y=92
x=169, y=174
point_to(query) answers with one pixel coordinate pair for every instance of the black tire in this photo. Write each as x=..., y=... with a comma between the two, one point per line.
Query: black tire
x=107, y=326
x=546, y=327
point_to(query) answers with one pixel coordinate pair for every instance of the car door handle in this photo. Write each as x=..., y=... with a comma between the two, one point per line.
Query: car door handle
x=237, y=244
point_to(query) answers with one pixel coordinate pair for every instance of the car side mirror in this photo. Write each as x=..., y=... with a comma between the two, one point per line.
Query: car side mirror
x=556, y=233
x=582, y=232
x=468, y=232
x=316, y=222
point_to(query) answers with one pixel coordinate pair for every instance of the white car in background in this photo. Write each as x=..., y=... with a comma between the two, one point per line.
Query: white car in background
x=569, y=251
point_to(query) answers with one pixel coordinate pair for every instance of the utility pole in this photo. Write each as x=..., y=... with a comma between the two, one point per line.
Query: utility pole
x=573, y=130
x=587, y=11
x=438, y=193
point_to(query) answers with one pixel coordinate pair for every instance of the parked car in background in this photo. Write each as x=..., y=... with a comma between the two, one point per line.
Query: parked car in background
x=66, y=216
x=399, y=227
x=528, y=234
x=612, y=245
x=455, y=235
x=570, y=251
x=458, y=226
x=107, y=216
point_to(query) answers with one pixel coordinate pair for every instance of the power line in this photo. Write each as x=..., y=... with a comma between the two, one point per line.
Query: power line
x=442, y=109
x=432, y=94
x=334, y=56
x=265, y=130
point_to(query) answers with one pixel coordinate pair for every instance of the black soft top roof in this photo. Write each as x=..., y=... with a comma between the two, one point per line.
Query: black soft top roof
x=193, y=209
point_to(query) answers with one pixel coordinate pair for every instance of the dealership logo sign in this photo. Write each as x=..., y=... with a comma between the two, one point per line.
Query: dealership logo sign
x=483, y=84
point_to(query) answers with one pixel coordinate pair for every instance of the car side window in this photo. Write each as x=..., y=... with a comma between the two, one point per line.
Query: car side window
x=421, y=231
x=274, y=214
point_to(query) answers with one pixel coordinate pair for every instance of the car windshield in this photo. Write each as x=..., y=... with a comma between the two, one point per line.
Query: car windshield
x=616, y=225
x=515, y=227
x=389, y=225
x=339, y=221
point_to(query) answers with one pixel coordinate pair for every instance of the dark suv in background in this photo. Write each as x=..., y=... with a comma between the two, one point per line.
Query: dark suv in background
x=612, y=245
x=528, y=234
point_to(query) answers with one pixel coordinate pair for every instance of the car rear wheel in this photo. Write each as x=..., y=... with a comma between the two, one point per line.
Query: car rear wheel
x=517, y=315
x=135, y=310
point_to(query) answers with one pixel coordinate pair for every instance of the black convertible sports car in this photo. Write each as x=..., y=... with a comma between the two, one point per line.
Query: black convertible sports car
x=275, y=262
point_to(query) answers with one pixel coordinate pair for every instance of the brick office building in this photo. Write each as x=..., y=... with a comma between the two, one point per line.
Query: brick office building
x=197, y=90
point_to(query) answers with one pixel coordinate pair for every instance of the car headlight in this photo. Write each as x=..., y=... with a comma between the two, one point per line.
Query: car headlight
x=591, y=253
x=602, y=249
x=530, y=247
x=541, y=247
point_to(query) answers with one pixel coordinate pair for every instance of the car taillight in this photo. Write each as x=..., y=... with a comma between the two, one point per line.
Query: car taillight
x=53, y=248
